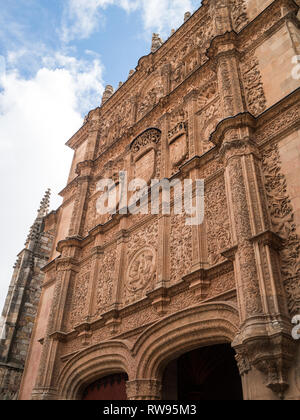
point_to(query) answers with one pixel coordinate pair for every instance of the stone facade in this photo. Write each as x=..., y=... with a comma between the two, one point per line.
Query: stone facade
x=21, y=304
x=217, y=101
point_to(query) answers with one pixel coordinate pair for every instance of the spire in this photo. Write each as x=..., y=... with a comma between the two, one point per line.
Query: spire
x=45, y=203
x=42, y=212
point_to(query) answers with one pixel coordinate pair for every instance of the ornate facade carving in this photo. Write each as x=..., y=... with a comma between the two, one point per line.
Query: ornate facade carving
x=141, y=270
x=217, y=221
x=132, y=292
x=254, y=91
x=79, y=299
x=105, y=279
x=282, y=215
x=141, y=259
x=180, y=248
x=239, y=14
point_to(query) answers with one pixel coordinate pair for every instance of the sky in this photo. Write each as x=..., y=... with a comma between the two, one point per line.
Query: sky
x=56, y=56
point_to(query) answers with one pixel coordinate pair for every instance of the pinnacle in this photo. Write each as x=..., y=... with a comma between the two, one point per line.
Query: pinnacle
x=42, y=212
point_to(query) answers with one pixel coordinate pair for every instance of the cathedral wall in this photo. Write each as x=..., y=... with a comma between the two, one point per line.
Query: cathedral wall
x=63, y=226
x=275, y=57
x=35, y=350
x=79, y=156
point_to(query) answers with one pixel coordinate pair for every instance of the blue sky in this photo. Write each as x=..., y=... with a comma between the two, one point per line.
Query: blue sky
x=56, y=56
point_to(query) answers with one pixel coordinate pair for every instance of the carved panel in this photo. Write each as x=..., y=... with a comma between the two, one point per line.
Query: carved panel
x=79, y=297
x=239, y=14
x=282, y=216
x=140, y=274
x=141, y=269
x=180, y=248
x=217, y=221
x=253, y=85
x=145, y=155
x=105, y=279
x=208, y=121
x=115, y=124
x=150, y=98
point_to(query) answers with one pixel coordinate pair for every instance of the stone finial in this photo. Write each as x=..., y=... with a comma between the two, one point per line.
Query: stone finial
x=120, y=84
x=131, y=73
x=187, y=15
x=109, y=91
x=173, y=31
x=156, y=42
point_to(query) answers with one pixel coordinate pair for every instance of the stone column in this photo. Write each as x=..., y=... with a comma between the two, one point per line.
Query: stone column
x=144, y=389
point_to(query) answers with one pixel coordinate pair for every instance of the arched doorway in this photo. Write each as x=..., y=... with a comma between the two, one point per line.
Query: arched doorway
x=205, y=374
x=110, y=388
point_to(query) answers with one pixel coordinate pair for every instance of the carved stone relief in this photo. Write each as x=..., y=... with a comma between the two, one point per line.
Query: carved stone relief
x=145, y=154
x=79, y=298
x=105, y=278
x=150, y=98
x=141, y=257
x=282, y=216
x=141, y=270
x=217, y=221
x=253, y=85
x=180, y=248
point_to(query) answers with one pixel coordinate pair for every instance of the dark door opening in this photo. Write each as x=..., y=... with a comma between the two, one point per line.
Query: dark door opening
x=110, y=388
x=205, y=374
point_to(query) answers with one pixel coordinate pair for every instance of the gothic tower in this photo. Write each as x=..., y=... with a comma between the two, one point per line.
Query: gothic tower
x=21, y=303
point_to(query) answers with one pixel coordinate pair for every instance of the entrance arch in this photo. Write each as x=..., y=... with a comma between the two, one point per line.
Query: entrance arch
x=205, y=374
x=93, y=364
x=190, y=329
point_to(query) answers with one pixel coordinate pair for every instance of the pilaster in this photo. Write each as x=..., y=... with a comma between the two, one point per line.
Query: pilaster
x=265, y=331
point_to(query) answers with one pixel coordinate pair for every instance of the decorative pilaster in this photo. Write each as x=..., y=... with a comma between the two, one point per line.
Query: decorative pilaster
x=265, y=331
x=66, y=267
x=119, y=272
x=163, y=268
x=143, y=390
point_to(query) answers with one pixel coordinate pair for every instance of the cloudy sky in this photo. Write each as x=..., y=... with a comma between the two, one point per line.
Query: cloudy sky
x=55, y=58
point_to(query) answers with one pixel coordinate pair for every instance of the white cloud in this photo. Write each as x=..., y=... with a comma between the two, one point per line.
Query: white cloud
x=83, y=17
x=37, y=116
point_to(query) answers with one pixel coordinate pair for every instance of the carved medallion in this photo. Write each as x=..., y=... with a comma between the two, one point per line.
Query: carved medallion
x=141, y=269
